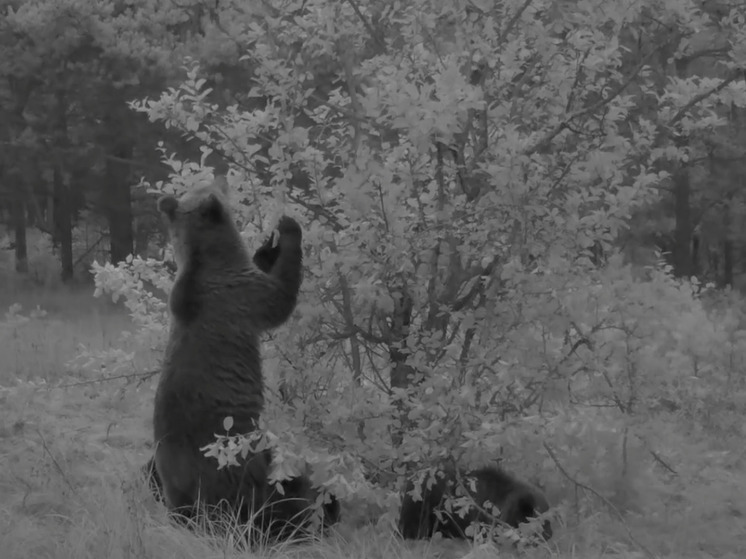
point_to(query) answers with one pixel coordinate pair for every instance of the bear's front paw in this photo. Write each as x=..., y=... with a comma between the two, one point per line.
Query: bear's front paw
x=266, y=255
x=288, y=227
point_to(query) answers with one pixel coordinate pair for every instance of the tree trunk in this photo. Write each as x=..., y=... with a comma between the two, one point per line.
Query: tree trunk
x=727, y=262
x=401, y=371
x=694, y=257
x=118, y=204
x=682, y=250
x=15, y=153
x=726, y=279
x=19, y=225
x=62, y=203
x=63, y=231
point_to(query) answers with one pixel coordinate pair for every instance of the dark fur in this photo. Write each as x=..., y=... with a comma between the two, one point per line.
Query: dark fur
x=289, y=510
x=518, y=502
x=277, y=520
x=220, y=304
x=267, y=254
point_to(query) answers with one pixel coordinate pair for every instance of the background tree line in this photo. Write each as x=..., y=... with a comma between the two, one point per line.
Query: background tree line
x=73, y=152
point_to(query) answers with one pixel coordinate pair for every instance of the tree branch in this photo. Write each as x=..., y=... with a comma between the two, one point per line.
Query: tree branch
x=135, y=163
x=549, y=136
x=93, y=247
x=703, y=53
x=368, y=26
x=733, y=76
x=603, y=499
x=513, y=21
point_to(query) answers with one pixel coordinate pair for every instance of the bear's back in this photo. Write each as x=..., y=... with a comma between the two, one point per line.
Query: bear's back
x=212, y=368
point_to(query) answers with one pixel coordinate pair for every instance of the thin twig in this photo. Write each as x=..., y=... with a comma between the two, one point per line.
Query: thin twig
x=513, y=20
x=54, y=461
x=663, y=463
x=559, y=127
x=368, y=26
x=603, y=499
x=89, y=250
x=734, y=75
x=144, y=375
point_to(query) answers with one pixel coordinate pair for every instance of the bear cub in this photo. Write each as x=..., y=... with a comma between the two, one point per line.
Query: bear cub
x=517, y=501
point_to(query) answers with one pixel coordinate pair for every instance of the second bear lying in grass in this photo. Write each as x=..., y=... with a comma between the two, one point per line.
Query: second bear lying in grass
x=487, y=487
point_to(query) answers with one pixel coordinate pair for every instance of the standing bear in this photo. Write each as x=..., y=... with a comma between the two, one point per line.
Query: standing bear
x=516, y=500
x=220, y=304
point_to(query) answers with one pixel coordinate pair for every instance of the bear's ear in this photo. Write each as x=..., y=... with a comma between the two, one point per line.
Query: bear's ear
x=211, y=208
x=167, y=205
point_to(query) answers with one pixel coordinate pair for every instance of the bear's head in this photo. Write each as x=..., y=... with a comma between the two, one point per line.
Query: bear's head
x=200, y=223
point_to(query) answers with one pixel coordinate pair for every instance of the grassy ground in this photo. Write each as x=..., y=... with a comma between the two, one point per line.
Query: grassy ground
x=71, y=448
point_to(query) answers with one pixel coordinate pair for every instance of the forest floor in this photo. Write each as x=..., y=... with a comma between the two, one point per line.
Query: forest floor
x=71, y=450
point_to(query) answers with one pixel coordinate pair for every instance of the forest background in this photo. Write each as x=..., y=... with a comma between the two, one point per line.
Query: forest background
x=524, y=241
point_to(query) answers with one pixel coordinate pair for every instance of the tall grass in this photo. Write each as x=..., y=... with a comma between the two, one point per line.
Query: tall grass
x=71, y=450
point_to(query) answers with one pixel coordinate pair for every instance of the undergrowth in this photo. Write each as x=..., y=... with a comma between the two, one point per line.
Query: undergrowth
x=71, y=449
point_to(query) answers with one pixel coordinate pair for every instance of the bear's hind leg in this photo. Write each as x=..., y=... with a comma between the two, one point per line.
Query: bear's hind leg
x=175, y=467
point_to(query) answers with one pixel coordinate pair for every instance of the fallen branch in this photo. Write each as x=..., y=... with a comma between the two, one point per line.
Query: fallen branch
x=144, y=376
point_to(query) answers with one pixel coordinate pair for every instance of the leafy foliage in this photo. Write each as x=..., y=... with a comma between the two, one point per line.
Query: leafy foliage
x=462, y=176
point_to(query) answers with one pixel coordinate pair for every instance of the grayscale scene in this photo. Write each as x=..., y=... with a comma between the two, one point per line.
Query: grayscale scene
x=372, y=279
